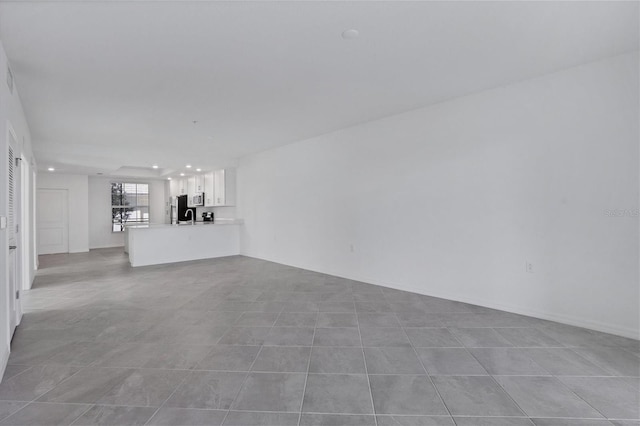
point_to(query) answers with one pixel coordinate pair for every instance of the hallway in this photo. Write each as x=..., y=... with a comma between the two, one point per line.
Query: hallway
x=241, y=341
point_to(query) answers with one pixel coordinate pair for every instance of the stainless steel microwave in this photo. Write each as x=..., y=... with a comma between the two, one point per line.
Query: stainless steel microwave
x=198, y=199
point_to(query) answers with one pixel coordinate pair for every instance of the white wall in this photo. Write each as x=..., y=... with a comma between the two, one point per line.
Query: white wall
x=90, y=208
x=100, y=234
x=11, y=114
x=451, y=200
x=78, y=190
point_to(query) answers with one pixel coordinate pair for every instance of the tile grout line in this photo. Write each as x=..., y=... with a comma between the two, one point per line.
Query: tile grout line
x=496, y=382
x=29, y=367
x=187, y=376
x=549, y=374
x=366, y=369
x=347, y=374
x=9, y=415
x=596, y=363
x=415, y=352
x=169, y=397
x=521, y=375
x=246, y=377
x=43, y=394
x=306, y=378
x=83, y=413
x=499, y=385
x=579, y=397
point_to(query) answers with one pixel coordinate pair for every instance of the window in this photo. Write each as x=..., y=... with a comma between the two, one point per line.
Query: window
x=129, y=204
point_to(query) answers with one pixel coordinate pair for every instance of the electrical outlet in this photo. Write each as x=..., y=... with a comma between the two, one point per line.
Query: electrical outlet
x=529, y=267
x=3, y=222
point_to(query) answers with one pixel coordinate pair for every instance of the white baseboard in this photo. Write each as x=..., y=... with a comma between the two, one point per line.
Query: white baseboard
x=32, y=279
x=107, y=246
x=4, y=360
x=521, y=310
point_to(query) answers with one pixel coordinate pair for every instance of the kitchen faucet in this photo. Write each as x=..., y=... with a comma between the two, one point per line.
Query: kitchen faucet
x=190, y=211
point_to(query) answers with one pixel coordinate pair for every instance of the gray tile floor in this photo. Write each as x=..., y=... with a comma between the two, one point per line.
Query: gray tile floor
x=239, y=341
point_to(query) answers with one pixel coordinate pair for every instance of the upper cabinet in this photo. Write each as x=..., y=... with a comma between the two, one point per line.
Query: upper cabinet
x=219, y=187
x=174, y=188
x=178, y=186
x=191, y=190
x=199, y=183
x=191, y=186
x=226, y=185
x=209, y=184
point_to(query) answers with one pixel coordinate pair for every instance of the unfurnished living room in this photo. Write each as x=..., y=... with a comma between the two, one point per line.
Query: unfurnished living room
x=358, y=213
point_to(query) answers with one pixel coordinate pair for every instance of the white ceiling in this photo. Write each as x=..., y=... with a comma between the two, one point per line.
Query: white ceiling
x=107, y=85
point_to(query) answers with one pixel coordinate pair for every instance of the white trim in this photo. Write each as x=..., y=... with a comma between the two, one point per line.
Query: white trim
x=545, y=315
x=4, y=360
x=106, y=246
x=17, y=220
x=148, y=206
x=521, y=310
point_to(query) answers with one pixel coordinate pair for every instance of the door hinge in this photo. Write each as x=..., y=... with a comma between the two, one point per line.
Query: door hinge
x=18, y=160
x=17, y=294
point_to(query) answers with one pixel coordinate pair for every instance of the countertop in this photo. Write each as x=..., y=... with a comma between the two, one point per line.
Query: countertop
x=223, y=222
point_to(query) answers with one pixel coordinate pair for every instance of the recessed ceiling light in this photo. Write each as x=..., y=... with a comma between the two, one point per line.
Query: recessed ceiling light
x=155, y=166
x=181, y=174
x=198, y=170
x=168, y=178
x=188, y=166
x=350, y=34
x=51, y=169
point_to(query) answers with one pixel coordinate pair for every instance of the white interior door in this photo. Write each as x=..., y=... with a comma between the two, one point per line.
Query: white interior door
x=52, y=221
x=15, y=263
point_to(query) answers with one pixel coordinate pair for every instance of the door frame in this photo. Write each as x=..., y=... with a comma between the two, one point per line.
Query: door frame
x=33, y=195
x=13, y=287
x=26, y=228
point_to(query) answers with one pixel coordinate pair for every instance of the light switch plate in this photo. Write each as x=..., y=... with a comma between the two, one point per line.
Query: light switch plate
x=3, y=222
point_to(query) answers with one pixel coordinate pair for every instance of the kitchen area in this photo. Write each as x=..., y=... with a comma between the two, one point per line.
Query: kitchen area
x=201, y=222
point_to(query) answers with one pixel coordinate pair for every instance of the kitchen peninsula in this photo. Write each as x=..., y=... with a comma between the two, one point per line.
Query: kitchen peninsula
x=157, y=244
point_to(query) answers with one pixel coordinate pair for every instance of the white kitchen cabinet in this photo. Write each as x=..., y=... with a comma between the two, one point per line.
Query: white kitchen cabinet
x=191, y=190
x=220, y=188
x=174, y=188
x=191, y=186
x=225, y=187
x=230, y=187
x=178, y=186
x=195, y=186
x=199, y=184
x=209, y=185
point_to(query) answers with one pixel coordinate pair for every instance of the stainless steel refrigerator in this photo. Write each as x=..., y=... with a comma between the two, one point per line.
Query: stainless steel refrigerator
x=179, y=210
